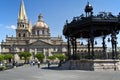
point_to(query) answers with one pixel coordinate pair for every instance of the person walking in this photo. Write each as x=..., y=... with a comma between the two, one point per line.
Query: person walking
x=49, y=64
x=38, y=64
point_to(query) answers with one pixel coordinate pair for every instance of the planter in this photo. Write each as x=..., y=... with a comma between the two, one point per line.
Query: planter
x=2, y=68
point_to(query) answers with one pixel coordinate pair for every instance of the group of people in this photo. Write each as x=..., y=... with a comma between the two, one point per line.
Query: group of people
x=32, y=63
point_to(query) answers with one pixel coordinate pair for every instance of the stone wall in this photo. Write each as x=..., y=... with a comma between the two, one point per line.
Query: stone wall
x=94, y=65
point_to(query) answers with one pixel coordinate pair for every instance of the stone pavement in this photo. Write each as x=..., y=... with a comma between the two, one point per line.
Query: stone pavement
x=28, y=72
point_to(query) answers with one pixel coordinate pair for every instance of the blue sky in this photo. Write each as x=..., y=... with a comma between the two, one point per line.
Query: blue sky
x=55, y=13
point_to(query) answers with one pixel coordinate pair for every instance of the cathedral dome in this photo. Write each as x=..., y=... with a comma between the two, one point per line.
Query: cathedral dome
x=40, y=23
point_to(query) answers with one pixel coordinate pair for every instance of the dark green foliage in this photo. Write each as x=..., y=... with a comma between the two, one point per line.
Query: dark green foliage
x=25, y=56
x=8, y=56
x=52, y=57
x=61, y=56
x=40, y=56
x=2, y=68
x=1, y=57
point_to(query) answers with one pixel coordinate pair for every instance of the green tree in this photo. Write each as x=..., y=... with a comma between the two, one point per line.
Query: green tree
x=61, y=57
x=40, y=56
x=1, y=57
x=25, y=56
x=8, y=57
x=52, y=57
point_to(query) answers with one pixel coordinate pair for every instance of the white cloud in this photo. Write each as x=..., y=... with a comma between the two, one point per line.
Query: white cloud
x=12, y=27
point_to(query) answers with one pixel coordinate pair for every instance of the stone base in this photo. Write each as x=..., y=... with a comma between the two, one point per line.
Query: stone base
x=95, y=65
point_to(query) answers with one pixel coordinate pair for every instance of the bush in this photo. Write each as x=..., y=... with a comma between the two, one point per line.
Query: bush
x=52, y=58
x=2, y=68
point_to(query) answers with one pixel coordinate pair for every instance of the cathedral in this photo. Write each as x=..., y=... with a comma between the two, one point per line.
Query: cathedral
x=35, y=38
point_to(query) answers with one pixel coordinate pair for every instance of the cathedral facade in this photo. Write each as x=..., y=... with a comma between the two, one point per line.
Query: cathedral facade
x=35, y=38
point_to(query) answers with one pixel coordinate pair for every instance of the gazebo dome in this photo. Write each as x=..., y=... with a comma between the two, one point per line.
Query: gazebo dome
x=40, y=23
x=88, y=7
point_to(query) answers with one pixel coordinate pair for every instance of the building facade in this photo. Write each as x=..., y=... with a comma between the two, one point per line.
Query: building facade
x=35, y=38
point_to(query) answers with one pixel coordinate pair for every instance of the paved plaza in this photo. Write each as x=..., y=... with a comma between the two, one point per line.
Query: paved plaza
x=28, y=72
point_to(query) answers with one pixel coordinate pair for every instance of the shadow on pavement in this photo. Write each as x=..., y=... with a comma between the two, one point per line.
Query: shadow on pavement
x=52, y=68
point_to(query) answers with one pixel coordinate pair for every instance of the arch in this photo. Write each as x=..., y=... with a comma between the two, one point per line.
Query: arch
x=40, y=31
x=96, y=51
x=43, y=31
x=85, y=51
x=100, y=50
x=23, y=25
x=24, y=35
x=37, y=32
x=19, y=34
x=81, y=50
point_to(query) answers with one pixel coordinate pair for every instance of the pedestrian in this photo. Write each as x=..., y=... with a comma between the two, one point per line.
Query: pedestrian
x=14, y=64
x=49, y=64
x=33, y=63
x=38, y=64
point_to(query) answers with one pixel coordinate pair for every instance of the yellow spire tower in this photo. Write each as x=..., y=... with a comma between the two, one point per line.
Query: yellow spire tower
x=22, y=14
x=23, y=25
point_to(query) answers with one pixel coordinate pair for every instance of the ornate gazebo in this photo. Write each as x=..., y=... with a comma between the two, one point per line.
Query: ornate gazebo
x=90, y=26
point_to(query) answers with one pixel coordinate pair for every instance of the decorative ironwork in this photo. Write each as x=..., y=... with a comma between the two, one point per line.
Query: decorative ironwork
x=92, y=26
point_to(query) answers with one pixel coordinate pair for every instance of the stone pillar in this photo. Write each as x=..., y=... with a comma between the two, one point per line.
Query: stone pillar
x=35, y=51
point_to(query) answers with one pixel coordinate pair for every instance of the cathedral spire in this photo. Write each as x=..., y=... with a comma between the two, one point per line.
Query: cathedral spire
x=22, y=13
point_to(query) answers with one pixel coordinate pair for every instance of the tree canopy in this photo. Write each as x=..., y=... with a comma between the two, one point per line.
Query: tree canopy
x=1, y=57
x=52, y=57
x=25, y=56
x=40, y=56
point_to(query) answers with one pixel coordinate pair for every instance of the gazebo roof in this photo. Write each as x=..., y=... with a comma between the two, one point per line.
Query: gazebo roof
x=102, y=24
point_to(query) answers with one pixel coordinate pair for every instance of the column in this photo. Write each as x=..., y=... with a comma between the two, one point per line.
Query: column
x=104, y=48
x=92, y=44
x=68, y=46
x=114, y=44
x=89, y=56
x=73, y=47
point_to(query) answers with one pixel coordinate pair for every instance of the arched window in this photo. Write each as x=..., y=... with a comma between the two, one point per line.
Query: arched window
x=47, y=32
x=23, y=25
x=19, y=35
x=85, y=50
x=81, y=50
x=38, y=32
x=100, y=50
x=96, y=51
x=24, y=35
x=43, y=32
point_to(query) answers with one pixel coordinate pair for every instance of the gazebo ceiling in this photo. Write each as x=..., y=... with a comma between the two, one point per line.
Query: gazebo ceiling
x=96, y=25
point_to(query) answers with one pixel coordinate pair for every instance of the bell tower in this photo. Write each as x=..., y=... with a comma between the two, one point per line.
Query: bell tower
x=23, y=25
